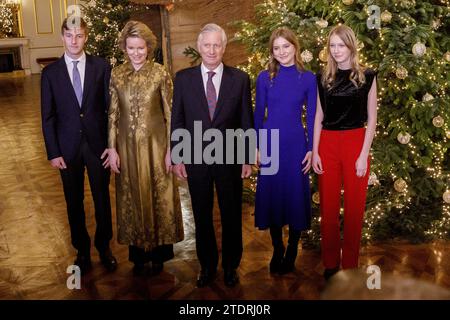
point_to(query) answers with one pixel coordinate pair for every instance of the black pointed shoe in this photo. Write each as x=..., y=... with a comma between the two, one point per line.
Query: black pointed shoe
x=328, y=273
x=230, y=277
x=108, y=261
x=83, y=262
x=205, y=277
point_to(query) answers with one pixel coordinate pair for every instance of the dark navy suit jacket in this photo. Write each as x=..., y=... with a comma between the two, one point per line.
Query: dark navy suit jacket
x=63, y=121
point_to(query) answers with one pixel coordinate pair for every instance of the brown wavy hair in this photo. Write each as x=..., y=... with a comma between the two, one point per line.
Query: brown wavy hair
x=289, y=35
x=357, y=76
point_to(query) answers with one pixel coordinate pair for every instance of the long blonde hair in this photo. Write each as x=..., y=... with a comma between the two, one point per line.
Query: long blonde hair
x=289, y=35
x=357, y=76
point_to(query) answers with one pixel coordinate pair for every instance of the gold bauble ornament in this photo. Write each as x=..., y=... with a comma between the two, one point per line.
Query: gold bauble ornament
x=359, y=44
x=447, y=134
x=323, y=55
x=438, y=121
x=446, y=196
x=316, y=198
x=419, y=49
x=401, y=72
x=386, y=16
x=403, y=138
x=447, y=56
x=400, y=185
x=322, y=23
x=347, y=2
x=307, y=56
x=427, y=97
x=105, y=20
x=109, y=5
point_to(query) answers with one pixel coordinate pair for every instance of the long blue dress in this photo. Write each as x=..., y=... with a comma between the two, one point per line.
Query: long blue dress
x=284, y=198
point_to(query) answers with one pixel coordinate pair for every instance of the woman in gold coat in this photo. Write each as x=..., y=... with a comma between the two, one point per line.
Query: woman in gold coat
x=149, y=217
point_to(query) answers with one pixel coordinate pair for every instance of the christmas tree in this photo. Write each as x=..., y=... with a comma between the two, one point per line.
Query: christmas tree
x=408, y=43
x=8, y=17
x=105, y=19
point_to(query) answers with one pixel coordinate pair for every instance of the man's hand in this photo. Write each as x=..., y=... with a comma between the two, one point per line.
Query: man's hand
x=246, y=171
x=58, y=163
x=180, y=171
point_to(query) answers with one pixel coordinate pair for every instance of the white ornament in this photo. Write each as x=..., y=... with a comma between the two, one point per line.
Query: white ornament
x=446, y=196
x=347, y=2
x=404, y=138
x=427, y=97
x=447, y=56
x=386, y=16
x=435, y=24
x=419, y=49
x=438, y=121
x=373, y=179
x=322, y=23
x=306, y=56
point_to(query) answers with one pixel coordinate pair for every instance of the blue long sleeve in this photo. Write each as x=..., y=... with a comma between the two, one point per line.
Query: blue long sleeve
x=311, y=109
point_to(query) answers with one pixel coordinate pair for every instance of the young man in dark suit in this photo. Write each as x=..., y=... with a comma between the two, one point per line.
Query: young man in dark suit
x=74, y=104
x=218, y=97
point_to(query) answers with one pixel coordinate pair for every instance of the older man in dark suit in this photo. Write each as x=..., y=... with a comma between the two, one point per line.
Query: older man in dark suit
x=218, y=97
x=74, y=104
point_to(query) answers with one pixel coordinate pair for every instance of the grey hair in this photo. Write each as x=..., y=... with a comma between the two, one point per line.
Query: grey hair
x=212, y=27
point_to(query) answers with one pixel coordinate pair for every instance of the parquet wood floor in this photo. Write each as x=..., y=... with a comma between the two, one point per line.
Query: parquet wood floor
x=35, y=247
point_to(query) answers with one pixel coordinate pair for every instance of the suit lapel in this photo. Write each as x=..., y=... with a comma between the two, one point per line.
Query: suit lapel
x=225, y=88
x=197, y=83
x=88, y=79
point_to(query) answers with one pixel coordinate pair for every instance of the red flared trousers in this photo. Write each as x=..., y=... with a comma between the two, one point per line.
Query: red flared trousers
x=339, y=151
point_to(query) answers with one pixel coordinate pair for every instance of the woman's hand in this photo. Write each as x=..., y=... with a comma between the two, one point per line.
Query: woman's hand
x=317, y=163
x=168, y=162
x=361, y=166
x=307, y=160
x=112, y=160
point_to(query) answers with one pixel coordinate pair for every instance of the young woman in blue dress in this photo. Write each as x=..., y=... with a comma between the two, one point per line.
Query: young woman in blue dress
x=283, y=198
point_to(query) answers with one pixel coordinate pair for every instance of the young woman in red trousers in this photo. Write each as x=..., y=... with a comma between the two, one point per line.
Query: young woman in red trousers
x=344, y=127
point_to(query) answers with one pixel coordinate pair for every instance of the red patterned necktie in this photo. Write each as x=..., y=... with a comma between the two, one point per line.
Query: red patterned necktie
x=211, y=94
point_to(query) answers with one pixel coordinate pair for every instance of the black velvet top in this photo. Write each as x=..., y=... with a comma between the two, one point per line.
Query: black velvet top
x=344, y=105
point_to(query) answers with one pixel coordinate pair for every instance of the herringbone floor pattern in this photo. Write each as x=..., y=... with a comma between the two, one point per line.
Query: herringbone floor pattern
x=35, y=247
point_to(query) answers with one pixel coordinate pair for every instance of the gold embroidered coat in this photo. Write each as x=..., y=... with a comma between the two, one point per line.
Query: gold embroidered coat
x=147, y=200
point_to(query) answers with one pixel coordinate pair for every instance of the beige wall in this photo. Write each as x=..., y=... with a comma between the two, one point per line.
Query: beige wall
x=41, y=23
x=187, y=17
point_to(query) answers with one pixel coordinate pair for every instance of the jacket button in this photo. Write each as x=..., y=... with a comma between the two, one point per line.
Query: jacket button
x=81, y=115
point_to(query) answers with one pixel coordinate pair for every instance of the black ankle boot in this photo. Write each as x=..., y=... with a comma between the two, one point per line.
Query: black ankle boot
x=288, y=263
x=277, y=258
x=278, y=249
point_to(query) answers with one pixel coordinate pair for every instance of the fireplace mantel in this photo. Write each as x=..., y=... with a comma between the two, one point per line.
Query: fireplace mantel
x=24, y=45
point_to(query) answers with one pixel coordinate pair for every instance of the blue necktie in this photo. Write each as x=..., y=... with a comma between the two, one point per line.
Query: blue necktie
x=77, y=83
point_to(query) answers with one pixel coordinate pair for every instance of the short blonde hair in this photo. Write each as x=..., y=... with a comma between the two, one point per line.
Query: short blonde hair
x=212, y=27
x=137, y=29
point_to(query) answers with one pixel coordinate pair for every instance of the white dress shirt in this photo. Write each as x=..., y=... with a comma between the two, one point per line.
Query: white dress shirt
x=81, y=67
x=217, y=79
